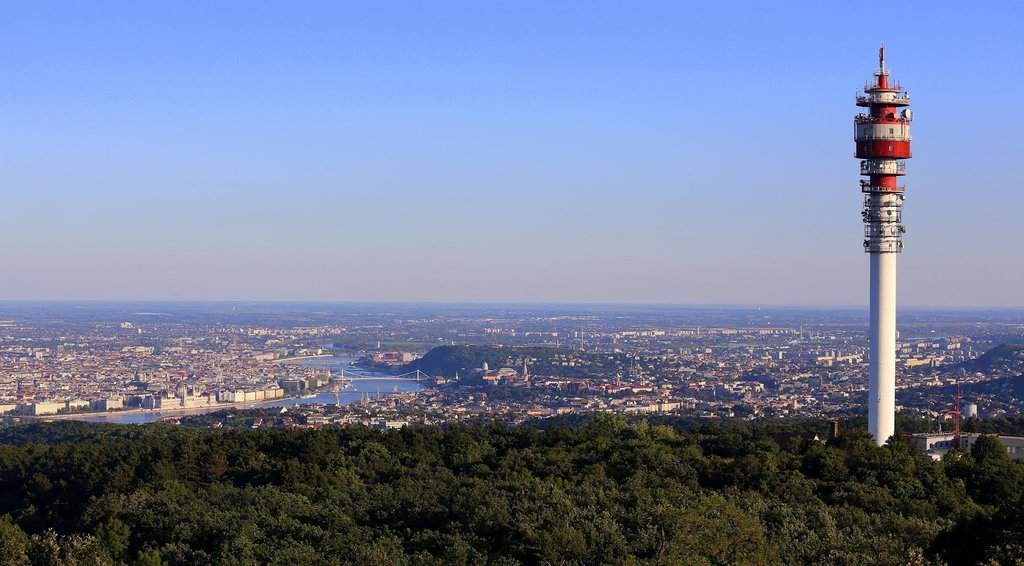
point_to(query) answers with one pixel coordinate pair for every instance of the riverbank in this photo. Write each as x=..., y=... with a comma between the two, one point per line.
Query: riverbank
x=159, y=414
x=297, y=358
x=367, y=381
x=323, y=397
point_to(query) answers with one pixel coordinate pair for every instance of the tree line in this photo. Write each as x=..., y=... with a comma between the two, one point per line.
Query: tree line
x=604, y=490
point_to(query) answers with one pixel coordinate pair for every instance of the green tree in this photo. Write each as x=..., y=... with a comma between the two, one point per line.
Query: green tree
x=50, y=548
x=995, y=478
x=148, y=557
x=988, y=449
x=114, y=537
x=717, y=533
x=14, y=543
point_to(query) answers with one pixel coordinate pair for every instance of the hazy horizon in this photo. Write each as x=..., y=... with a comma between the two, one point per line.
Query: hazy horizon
x=276, y=302
x=588, y=153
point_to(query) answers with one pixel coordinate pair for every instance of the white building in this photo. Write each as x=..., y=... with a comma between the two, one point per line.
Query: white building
x=937, y=444
x=106, y=404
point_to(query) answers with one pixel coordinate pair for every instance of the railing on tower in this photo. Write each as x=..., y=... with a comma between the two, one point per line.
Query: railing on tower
x=883, y=167
x=884, y=97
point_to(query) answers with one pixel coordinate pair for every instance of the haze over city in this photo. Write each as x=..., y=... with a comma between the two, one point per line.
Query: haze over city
x=591, y=152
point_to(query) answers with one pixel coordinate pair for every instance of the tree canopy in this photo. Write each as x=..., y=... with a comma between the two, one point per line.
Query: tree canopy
x=603, y=491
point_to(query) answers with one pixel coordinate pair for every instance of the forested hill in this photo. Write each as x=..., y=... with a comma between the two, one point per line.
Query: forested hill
x=1003, y=356
x=604, y=492
x=447, y=360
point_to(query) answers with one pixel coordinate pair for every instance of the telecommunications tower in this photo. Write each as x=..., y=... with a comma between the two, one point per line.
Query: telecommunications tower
x=883, y=142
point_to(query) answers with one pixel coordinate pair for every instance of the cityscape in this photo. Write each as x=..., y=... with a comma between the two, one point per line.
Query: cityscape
x=511, y=284
x=507, y=363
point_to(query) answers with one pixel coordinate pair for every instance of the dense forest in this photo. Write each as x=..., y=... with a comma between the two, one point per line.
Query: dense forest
x=603, y=491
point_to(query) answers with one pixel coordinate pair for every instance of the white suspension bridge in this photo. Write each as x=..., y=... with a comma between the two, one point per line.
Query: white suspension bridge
x=409, y=376
x=343, y=381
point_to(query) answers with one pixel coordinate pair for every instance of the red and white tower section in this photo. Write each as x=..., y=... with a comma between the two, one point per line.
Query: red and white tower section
x=883, y=143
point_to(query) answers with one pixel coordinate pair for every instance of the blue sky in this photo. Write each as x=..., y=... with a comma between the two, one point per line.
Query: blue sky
x=498, y=151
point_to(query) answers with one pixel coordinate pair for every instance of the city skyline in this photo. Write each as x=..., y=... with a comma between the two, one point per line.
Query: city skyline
x=661, y=155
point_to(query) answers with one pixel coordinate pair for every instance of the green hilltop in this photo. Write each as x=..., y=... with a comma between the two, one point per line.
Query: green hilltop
x=1002, y=355
x=447, y=360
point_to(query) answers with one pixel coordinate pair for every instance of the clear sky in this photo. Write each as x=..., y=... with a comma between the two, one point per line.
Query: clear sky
x=499, y=151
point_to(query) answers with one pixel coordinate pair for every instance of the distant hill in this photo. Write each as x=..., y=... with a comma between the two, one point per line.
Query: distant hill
x=1002, y=357
x=447, y=360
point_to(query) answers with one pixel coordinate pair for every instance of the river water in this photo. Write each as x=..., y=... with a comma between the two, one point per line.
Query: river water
x=368, y=382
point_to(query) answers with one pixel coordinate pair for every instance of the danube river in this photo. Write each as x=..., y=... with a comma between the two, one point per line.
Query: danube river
x=368, y=382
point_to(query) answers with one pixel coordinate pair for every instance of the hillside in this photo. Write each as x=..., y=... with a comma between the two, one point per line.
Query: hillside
x=447, y=360
x=1002, y=358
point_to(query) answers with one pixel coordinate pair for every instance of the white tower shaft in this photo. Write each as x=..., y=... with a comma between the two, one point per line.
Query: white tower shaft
x=882, y=386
